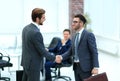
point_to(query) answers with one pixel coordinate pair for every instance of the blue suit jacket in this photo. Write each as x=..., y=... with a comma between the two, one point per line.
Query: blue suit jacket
x=87, y=51
x=59, y=48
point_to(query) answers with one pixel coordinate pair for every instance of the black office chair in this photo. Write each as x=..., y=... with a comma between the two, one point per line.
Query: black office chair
x=4, y=63
x=54, y=42
x=56, y=70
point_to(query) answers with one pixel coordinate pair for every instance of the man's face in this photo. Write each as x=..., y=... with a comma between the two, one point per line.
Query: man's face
x=76, y=24
x=66, y=35
x=42, y=20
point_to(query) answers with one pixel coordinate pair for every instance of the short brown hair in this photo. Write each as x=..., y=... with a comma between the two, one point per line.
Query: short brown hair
x=68, y=30
x=81, y=17
x=37, y=12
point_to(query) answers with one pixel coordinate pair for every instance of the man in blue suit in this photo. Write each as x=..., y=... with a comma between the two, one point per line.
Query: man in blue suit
x=83, y=50
x=33, y=49
x=61, y=47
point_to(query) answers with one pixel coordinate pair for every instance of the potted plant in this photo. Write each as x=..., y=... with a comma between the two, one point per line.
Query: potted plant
x=88, y=24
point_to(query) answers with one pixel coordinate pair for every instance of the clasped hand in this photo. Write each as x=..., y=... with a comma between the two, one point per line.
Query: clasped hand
x=58, y=59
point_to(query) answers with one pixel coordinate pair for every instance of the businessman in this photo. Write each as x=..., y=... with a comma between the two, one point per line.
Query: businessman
x=33, y=49
x=83, y=50
x=62, y=46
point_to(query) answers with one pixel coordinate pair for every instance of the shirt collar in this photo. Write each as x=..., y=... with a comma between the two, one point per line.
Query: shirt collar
x=81, y=30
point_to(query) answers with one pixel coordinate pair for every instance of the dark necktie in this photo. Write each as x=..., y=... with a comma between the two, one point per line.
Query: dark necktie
x=76, y=47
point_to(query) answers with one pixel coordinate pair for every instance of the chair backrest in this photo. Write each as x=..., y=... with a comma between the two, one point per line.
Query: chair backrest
x=69, y=60
x=54, y=42
x=67, y=64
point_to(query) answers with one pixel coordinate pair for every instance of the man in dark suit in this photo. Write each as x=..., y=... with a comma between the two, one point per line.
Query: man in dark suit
x=61, y=47
x=33, y=49
x=83, y=50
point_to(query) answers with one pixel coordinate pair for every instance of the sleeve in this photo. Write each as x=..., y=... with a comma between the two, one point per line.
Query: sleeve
x=93, y=49
x=39, y=45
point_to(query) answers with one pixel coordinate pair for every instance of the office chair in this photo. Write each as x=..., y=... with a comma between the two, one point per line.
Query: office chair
x=54, y=42
x=4, y=63
x=56, y=70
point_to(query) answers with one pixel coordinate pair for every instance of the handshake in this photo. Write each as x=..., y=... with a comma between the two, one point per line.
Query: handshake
x=58, y=59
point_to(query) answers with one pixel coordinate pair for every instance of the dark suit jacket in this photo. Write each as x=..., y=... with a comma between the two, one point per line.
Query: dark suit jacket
x=87, y=51
x=33, y=49
x=59, y=48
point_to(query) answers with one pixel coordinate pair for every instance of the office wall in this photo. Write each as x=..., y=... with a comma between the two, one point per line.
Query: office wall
x=105, y=18
x=11, y=16
x=15, y=14
x=57, y=18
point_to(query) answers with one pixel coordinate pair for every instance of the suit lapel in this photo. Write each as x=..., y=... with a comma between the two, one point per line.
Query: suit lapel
x=81, y=38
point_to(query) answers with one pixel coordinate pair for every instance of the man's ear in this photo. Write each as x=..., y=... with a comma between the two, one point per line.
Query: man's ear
x=37, y=19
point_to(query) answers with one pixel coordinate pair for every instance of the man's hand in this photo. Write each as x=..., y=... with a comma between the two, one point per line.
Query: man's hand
x=58, y=59
x=94, y=71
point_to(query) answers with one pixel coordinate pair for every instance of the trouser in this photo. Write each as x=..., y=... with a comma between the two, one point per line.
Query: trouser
x=79, y=74
x=48, y=65
x=31, y=75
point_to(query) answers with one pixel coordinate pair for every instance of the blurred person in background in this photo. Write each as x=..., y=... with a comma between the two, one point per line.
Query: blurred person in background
x=61, y=47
